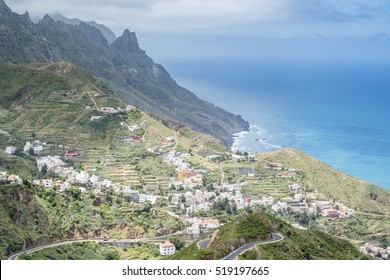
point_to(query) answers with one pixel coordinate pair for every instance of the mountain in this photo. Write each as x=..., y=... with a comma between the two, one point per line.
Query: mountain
x=56, y=102
x=107, y=33
x=123, y=65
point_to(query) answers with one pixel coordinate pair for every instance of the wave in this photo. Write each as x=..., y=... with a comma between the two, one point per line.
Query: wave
x=253, y=141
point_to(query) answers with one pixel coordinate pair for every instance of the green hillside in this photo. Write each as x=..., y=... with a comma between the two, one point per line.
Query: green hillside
x=125, y=67
x=31, y=216
x=332, y=184
x=296, y=245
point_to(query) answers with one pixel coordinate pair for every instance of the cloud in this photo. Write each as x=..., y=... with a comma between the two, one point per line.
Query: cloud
x=162, y=15
x=204, y=15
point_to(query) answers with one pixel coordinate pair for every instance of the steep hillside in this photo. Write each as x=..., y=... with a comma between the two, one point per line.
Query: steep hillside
x=332, y=184
x=32, y=216
x=134, y=77
x=296, y=245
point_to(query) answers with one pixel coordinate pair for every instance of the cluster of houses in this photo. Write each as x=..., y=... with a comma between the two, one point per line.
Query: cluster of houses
x=72, y=176
x=194, y=225
x=9, y=179
x=375, y=251
x=306, y=202
x=36, y=146
x=112, y=110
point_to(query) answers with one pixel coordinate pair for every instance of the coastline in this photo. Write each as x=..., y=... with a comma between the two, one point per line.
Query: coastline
x=253, y=141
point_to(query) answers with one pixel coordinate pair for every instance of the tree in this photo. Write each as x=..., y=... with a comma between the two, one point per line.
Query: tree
x=44, y=170
x=177, y=241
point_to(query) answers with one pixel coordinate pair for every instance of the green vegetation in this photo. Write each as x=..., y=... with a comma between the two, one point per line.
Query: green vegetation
x=35, y=217
x=252, y=227
x=244, y=229
x=146, y=251
x=306, y=245
x=297, y=244
x=192, y=252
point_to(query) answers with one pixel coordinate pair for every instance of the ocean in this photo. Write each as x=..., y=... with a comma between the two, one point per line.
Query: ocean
x=335, y=111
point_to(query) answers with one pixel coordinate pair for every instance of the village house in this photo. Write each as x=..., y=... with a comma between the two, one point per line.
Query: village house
x=51, y=162
x=36, y=182
x=133, y=128
x=167, y=248
x=210, y=223
x=299, y=196
x=3, y=174
x=47, y=183
x=83, y=190
x=331, y=214
x=194, y=229
x=376, y=251
x=133, y=195
x=276, y=166
x=15, y=179
x=95, y=118
x=310, y=196
x=294, y=187
x=10, y=150
x=94, y=180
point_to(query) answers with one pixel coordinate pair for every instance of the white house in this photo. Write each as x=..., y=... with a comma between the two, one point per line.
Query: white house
x=294, y=187
x=48, y=183
x=167, y=248
x=94, y=179
x=193, y=230
x=10, y=150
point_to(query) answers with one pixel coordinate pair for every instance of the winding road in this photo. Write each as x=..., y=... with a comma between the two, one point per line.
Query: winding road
x=203, y=244
x=100, y=240
x=233, y=255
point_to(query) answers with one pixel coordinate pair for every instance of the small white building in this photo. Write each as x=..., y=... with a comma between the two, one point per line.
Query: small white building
x=47, y=183
x=167, y=248
x=94, y=179
x=193, y=230
x=10, y=150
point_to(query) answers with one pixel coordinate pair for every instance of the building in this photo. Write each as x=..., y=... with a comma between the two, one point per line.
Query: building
x=48, y=183
x=167, y=248
x=10, y=150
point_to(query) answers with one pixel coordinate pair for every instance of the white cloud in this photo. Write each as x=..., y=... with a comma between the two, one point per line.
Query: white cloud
x=162, y=15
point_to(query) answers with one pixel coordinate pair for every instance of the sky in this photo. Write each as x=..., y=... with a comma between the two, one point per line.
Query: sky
x=178, y=28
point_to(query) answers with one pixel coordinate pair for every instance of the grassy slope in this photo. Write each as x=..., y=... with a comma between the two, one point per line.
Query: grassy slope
x=343, y=188
x=297, y=244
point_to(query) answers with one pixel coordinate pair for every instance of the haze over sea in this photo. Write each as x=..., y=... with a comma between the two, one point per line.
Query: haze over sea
x=336, y=111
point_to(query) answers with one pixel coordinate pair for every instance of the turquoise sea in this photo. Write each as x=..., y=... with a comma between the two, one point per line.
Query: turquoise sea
x=336, y=111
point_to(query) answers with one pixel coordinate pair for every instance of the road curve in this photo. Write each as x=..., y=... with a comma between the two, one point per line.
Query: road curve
x=103, y=240
x=233, y=255
x=204, y=244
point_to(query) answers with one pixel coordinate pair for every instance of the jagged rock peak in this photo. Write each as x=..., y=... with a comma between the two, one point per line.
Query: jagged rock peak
x=47, y=18
x=4, y=8
x=128, y=41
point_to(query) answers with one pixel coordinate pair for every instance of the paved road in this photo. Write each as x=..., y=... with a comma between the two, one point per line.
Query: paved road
x=204, y=244
x=109, y=240
x=233, y=255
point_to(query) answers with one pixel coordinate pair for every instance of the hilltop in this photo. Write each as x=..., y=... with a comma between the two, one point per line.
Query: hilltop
x=296, y=244
x=127, y=70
